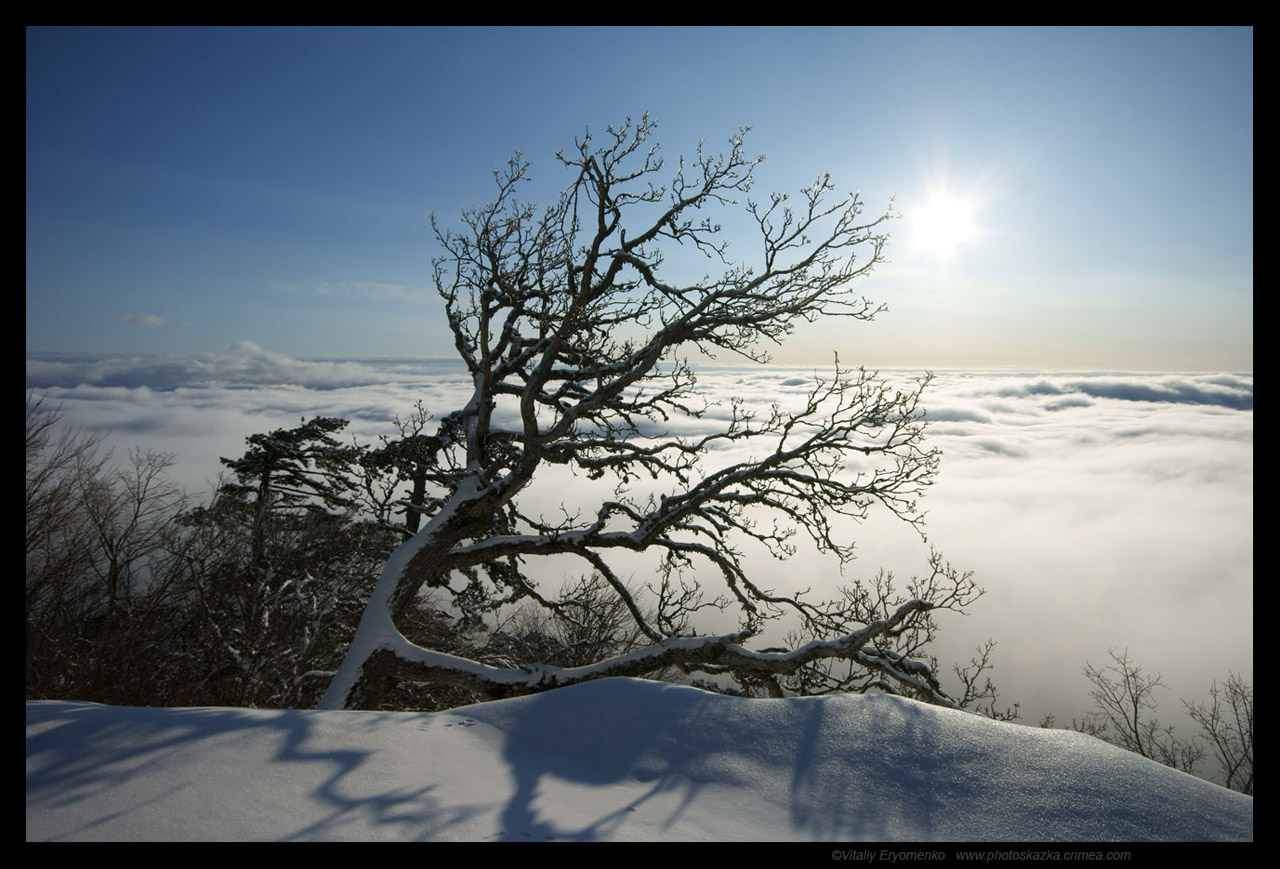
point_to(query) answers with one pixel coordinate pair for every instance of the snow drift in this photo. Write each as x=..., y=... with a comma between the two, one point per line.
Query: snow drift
x=617, y=759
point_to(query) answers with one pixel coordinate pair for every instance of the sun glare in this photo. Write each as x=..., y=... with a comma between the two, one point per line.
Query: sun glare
x=943, y=225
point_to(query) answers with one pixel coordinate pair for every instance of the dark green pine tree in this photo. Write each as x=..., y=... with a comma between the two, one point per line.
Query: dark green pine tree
x=303, y=468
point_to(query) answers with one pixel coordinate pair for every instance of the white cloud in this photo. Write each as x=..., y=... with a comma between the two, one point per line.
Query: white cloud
x=1098, y=511
x=150, y=321
x=240, y=364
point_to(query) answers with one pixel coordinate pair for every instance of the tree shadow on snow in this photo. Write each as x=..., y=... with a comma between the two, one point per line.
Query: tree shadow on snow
x=108, y=765
x=596, y=737
x=603, y=760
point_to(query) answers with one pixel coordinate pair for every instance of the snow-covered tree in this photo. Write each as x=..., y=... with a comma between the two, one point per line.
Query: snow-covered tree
x=304, y=468
x=275, y=568
x=577, y=337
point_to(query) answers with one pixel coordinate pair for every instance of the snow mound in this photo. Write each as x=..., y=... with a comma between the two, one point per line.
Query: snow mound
x=617, y=759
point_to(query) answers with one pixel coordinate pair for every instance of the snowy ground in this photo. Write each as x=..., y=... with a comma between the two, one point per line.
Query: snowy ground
x=618, y=759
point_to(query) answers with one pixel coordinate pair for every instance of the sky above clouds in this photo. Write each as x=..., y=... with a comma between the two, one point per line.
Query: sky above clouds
x=188, y=189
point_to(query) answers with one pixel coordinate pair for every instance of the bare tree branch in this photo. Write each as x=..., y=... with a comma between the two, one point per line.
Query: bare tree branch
x=576, y=336
x=1227, y=724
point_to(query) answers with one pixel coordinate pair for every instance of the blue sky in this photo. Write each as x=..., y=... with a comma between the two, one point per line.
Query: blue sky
x=191, y=188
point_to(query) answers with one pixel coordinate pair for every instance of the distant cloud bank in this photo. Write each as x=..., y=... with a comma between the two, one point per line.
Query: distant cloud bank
x=1228, y=390
x=243, y=363
x=1098, y=510
x=247, y=364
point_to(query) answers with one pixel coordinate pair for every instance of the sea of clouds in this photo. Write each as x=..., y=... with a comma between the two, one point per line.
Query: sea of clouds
x=1098, y=510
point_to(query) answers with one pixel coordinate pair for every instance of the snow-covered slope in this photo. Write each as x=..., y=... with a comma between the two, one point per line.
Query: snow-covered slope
x=618, y=759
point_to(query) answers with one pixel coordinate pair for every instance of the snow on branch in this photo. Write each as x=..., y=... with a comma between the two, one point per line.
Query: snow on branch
x=568, y=317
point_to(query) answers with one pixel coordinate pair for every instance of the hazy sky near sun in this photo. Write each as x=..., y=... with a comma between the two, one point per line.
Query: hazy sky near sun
x=188, y=189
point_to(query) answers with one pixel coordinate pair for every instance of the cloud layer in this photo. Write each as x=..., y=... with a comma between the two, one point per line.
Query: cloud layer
x=1097, y=510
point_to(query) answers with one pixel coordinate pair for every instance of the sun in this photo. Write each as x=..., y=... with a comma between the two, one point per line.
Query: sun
x=943, y=225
